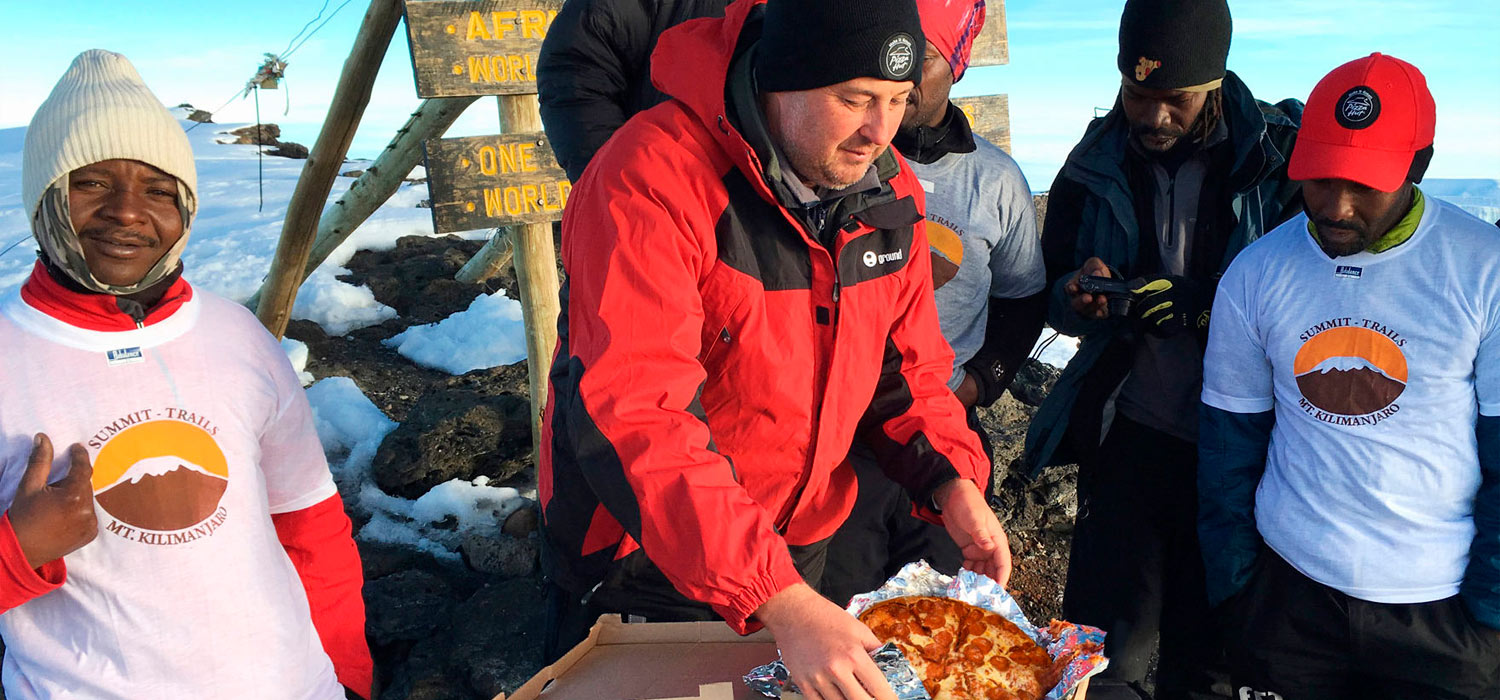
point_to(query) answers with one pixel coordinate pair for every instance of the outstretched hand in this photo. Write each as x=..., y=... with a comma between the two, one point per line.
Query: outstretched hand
x=975, y=529
x=54, y=520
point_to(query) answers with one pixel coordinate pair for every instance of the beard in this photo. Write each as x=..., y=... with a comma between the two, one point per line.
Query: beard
x=1363, y=237
x=828, y=170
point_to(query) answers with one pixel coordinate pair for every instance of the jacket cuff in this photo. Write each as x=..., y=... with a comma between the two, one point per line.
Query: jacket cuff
x=19, y=582
x=740, y=610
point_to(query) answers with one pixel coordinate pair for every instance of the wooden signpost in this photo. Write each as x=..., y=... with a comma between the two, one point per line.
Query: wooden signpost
x=989, y=116
x=484, y=47
x=486, y=181
x=490, y=47
x=991, y=48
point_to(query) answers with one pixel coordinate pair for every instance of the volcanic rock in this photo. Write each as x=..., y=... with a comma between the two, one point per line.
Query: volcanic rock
x=455, y=432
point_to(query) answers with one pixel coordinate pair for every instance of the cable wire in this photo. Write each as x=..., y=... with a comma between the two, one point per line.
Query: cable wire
x=293, y=50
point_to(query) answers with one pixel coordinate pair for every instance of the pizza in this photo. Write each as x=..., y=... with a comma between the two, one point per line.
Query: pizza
x=962, y=652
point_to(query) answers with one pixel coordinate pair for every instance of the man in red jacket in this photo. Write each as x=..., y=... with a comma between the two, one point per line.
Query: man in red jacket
x=190, y=543
x=749, y=292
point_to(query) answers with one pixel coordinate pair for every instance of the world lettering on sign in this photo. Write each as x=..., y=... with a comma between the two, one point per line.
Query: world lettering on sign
x=485, y=47
x=487, y=181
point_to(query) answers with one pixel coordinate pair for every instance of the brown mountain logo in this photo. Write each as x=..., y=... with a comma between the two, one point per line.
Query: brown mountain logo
x=176, y=498
x=161, y=475
x=1349, y=392
x=1350, y=371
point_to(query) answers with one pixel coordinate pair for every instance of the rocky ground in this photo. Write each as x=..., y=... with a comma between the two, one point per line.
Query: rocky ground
x=472, y=629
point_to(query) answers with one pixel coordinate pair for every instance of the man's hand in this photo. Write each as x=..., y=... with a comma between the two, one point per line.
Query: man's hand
x=968, y=390
x=56, y=520
x=826, y=650
x=975, y=529
x=1092, y=306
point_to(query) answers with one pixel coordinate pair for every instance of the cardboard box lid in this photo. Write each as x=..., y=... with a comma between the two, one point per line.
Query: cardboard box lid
x=653, y=661
x=660, y=661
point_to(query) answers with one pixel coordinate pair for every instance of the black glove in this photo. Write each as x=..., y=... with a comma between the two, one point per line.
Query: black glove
x=1167, y=305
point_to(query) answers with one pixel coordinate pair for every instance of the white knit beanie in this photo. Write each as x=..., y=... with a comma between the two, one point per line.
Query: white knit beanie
x=101, y=110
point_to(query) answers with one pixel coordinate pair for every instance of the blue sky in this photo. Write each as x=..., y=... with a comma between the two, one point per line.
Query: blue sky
x=1061, y=69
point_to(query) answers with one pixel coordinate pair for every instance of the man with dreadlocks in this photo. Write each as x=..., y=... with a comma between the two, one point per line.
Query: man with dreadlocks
x=1161, y=193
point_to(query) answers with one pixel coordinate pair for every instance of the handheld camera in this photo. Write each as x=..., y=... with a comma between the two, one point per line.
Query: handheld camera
x=1117, y=291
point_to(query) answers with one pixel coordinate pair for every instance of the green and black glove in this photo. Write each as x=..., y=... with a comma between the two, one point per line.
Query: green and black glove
x=1167, y=305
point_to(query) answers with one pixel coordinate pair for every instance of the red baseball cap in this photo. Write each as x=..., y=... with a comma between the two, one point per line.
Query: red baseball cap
x=1365, y=122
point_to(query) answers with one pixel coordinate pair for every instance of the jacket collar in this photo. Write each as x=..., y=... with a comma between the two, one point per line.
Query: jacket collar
x=103, y=312
x=928, y=144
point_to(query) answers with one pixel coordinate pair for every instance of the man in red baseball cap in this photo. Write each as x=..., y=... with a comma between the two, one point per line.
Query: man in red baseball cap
x=1349, y=471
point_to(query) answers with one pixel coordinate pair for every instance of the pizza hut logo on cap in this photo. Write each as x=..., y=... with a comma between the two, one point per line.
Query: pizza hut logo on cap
x=1144, y=68
x=1358, y=108
x=896, y=57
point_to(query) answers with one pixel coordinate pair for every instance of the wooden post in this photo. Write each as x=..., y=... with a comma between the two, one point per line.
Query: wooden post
x=536, y=272
x=379, y=181
x=490, y=260
x=323, y=163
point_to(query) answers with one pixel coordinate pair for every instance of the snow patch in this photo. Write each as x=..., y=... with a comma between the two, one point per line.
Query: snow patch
x=296, y=353
x=351, y=430
x=488, y=334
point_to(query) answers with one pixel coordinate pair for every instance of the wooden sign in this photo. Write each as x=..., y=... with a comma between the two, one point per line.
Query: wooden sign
x=487, y=181
x=991, y=47
x=989, y=116
x=486, y=47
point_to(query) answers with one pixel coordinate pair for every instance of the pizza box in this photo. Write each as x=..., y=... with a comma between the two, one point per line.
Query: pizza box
x=658, y=661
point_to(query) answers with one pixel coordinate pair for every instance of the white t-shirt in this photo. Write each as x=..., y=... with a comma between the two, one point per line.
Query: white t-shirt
x=1376, y=365
x=198, y=431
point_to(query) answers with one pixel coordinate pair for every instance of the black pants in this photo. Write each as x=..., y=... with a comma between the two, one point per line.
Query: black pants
x=881, y=535
x=1135, y=570
x=639, y=592
x=1302, y=640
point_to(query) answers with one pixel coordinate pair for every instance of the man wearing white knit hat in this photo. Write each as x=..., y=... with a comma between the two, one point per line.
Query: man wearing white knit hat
x=190, y=542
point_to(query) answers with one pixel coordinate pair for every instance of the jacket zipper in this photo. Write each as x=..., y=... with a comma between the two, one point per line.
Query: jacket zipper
x=785, y=520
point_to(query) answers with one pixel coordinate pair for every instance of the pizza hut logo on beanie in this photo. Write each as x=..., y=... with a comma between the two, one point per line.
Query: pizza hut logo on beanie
x=897, y=56
x=1357, y=108
x=809, y=44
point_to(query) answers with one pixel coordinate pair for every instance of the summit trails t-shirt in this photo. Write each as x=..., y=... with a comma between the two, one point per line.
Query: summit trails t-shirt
x=1376, y=366
x=981, y=218
x=198, y=431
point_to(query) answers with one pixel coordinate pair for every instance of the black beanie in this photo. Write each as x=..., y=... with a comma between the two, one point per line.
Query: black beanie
x=1174, y=44
x=807, y=44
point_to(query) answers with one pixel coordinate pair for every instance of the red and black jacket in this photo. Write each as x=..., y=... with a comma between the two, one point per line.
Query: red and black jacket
x=715, y=361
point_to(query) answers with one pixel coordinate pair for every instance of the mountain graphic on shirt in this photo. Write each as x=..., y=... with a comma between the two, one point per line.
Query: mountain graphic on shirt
x=164, y=493
x=1350, y=371
x=161, y=475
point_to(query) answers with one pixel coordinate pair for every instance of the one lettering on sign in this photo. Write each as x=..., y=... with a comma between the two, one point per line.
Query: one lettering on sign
x=484, y=181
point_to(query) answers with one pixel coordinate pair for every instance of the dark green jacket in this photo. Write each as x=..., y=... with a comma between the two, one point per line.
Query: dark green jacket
x=1092, y=211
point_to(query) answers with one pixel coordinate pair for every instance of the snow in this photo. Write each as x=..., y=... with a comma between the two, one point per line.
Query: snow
x=1054, y=348
x=296, y=353
x=487, y=334
x=351, y=429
